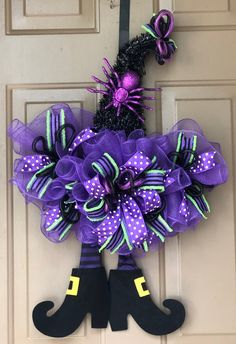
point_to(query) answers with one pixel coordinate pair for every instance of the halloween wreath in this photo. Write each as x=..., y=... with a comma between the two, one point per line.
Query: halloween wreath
x=100, y=177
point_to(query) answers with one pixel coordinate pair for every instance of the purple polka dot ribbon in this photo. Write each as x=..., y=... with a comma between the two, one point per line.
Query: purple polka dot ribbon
x=82, y=137
x=95, y=188
x=133, y=220
x=184, y=208
x=204, y=162
x=53, y=225
x=137, y=163
x=109, y=225
x=33, y=163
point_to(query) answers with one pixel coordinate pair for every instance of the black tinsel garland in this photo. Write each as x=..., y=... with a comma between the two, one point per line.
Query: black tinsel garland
x=130, y=57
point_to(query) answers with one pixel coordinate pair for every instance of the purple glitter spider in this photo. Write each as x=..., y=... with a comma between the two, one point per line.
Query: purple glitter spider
x=124, y=90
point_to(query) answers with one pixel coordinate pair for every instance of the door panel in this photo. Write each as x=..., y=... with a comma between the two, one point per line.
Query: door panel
x=50, y=16
x=202, y=15
x=49, y=49
x=205, y=258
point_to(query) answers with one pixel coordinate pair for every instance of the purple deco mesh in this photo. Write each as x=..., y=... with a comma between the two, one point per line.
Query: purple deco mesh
x=39, y=173
x=206, y=169
x=122, y=193
x=140, y=190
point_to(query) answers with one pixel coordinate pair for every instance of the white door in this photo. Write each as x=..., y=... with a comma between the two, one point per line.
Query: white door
x=49, y=49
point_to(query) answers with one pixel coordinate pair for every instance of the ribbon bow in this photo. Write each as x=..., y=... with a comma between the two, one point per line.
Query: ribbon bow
x=60, y=140
x=160, y=27
x=186, y=156
x=120, y=197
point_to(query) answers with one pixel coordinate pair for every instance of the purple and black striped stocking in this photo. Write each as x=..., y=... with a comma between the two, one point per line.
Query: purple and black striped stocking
x=90, y=257
x=126, y=263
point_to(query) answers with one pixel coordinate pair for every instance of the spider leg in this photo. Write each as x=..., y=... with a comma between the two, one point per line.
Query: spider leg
x=112, y=70
x=140, y=89
x=146, y=107
x=134, y=102
x=109, y=105
x=148, y=98
x=133, y=110
x=112, y=84
x=136, y=97
x=139, y=104
x=142, y=97
x=94, y=90
x=105, y=72
x=118, y=79
x=152, y=89
x=144, y=89
x=105, y=84
x=109, y=79
x=108, y=65
x=118, y=110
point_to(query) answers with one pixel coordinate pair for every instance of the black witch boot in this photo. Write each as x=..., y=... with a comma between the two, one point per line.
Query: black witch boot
x=87, y=293
x=129, y=296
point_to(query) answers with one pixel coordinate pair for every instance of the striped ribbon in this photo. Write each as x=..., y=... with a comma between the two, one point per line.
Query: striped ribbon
x=55, y=223
x=53, y=123
x=153, y=180
x=186, y=148
x=55, y=130
x=200, y=203
x=95, y=209
x=106, y=167
x=160, y=227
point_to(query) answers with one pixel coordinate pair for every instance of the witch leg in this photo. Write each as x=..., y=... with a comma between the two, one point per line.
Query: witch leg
x=129, y=295
x=87, y=293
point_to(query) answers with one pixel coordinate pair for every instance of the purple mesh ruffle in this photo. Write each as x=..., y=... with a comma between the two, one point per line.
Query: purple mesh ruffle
x=50, y=152
x=163, y=205
x=122, y=193
x=207, y=170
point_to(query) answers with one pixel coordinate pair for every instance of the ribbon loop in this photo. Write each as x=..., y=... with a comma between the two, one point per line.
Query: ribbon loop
x=164, y=24
x=106, y=167
x=160, y=27
x=63, y=133
x=68, y=211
